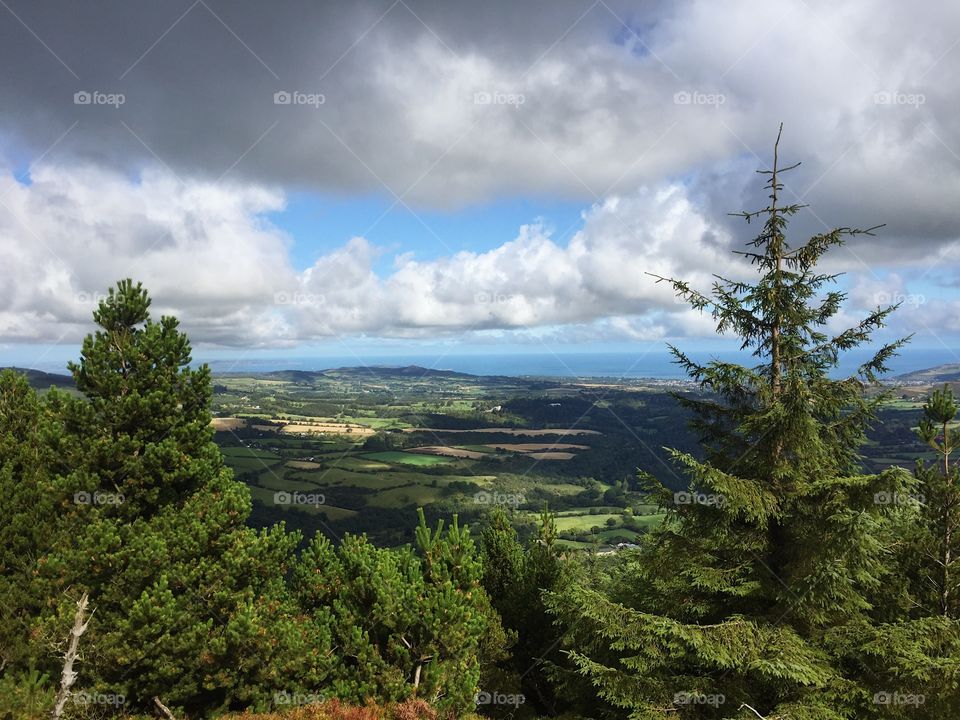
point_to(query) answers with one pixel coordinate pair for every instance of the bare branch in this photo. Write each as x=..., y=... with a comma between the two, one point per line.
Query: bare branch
x=69, y=676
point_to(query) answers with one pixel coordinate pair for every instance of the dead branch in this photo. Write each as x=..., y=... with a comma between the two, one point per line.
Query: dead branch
x=69, y=676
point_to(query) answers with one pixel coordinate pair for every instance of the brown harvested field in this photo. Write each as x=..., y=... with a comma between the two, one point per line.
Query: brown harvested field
x=303, y=464
x=551, y=455
x=533, y=447
x=509, y=431
x=448, y=451
x=288, y=427
x=228, y=423
x=327, y=428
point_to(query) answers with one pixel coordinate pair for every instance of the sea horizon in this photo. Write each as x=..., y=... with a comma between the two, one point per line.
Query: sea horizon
x=619, y=364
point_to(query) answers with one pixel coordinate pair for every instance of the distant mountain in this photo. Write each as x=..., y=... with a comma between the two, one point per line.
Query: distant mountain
x=410, y=371
x=366, y=372
x=940, y=374
x=40, y=380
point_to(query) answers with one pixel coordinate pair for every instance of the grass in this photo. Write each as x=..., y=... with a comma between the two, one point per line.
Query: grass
x=265, y=497
x=248, y=452
x=402, y=496
x=360, y=464
x=478, y=448
x=276, y=481
x=394, y=456
x=584, y=522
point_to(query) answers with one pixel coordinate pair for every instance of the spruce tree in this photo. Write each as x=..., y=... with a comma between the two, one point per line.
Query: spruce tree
x=758, y=595
x=939, y=491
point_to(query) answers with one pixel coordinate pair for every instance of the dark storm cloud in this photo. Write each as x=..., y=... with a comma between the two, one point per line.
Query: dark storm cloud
x=161, y=133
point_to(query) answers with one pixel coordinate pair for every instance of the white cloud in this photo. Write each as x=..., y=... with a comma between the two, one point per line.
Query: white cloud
x=208, y=255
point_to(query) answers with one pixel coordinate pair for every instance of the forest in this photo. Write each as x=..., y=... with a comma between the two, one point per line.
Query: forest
x=781, y=580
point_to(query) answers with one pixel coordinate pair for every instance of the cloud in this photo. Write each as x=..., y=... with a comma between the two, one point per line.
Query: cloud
x=208, y=255
x=652, y=117
x=450, y=105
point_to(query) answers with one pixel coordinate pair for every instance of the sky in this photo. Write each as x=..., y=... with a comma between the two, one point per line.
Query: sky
x=377, y=177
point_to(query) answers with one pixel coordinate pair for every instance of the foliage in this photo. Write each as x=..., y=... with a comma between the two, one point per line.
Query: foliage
x=765, y=589
x=404, y=623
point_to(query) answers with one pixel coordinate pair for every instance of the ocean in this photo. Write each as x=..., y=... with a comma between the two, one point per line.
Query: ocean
x=655, y=364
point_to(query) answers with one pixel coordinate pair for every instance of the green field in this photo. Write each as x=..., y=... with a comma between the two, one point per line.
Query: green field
x=584, y=522
x=384, y=474
x=405, y=458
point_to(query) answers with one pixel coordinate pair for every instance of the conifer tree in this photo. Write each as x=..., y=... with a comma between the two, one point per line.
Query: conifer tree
x=940, y=498
x=516, y=577
x=191, y=604
x=29, y=527
x=757, y=595
x=405, y=622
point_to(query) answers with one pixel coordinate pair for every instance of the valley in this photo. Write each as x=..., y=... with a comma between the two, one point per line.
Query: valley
x=360, y=449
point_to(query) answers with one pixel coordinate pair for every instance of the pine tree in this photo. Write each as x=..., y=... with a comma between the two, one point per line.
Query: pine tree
x=30, y=526
x=404, y=622
x=191, y=604
x=758, y=594
x=516, y=578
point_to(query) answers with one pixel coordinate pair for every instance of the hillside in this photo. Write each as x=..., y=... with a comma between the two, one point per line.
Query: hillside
x=947, y=373
x=40, y=380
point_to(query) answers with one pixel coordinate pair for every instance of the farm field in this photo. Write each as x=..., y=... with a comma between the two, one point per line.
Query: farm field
x=378, y=446
x=407, y=458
